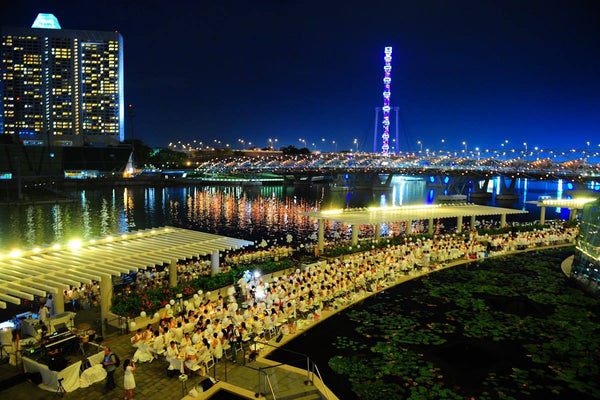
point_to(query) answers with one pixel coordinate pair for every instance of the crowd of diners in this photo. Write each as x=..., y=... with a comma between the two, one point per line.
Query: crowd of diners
x=193, y=334
x=248, y=257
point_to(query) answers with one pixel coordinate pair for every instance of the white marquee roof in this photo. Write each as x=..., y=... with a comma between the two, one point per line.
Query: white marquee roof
x=41, y=271
x=379, y=215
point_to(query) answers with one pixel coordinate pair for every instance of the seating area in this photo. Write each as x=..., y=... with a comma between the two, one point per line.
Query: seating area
x=192, y=336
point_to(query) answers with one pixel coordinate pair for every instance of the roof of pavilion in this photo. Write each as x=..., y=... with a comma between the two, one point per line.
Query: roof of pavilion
x=39, y=271
x=378, y=215
x=562, y=203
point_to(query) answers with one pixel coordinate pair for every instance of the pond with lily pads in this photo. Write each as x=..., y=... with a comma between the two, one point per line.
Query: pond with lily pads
x=505, y=328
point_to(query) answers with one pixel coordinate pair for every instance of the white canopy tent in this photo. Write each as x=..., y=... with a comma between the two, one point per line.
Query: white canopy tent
x=39, y=272
x=378, y=215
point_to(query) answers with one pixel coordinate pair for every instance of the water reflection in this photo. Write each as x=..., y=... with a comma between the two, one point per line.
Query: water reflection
x=247, y=212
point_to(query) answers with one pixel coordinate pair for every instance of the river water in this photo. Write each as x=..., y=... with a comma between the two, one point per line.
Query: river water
x=252, y=213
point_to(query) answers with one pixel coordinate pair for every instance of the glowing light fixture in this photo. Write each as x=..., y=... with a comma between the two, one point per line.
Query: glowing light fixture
x=15, y=253
x=46, y=21
x=123, y=236
x=74, y=244
x=36, y=250
x=56, y=247
x=109, y=238
x=331, y=212
x=92, y=241
x=387, y=93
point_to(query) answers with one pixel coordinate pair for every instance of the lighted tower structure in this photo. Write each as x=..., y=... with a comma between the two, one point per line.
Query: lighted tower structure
x=387, y=83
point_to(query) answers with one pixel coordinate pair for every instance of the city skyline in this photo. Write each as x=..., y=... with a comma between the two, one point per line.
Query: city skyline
x=479, y=74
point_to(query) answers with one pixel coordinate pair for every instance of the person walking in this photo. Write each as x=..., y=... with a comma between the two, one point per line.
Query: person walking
x=128, y=379
x=110, y=365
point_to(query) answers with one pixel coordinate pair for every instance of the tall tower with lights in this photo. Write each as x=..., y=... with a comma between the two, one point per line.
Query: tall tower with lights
x=387, y=93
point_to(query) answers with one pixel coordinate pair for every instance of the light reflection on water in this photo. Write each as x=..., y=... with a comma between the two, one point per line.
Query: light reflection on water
x=251, y=213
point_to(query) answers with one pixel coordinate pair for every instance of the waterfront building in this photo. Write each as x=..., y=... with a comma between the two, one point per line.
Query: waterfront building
x=587, y=258
x=61, y=87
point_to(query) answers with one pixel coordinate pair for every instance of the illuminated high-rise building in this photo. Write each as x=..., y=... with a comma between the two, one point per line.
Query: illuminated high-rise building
x=61, y=87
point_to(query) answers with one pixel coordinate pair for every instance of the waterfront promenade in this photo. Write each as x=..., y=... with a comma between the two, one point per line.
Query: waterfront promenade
x=153, y=383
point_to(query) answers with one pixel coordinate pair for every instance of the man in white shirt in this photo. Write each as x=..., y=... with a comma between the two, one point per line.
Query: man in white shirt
x=50, y=304
x=172, y=351
x=197, y=337
x=178, y=332
x=45, y=315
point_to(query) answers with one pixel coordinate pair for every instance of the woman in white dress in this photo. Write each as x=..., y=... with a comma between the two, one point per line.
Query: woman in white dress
x=128, y=379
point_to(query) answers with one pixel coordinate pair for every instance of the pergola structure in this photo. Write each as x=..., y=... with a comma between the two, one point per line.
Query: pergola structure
x=572, y=204
x=378, y=215
x=50, y=270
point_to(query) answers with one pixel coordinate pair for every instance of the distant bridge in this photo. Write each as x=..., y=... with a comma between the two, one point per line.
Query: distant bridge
x=576, y=166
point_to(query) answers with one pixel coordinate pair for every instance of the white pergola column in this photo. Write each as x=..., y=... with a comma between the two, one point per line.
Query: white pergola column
x=214, y=263
x=573, y=214
x=502, y=220
x=106, y=290
x=321, y=235
x=430, y=226
x=459, y=222
x=473, y=219
x=542, y=215
x=377, y=231
x=59, y=302
x=355, y=230
x=173, y=273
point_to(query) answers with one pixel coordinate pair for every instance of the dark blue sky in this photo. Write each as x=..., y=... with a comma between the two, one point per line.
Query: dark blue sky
x=480, y=71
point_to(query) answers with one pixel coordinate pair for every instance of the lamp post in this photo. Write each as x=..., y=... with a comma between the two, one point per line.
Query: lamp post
x=464, y=143
x=334, y=143
x=356, y=143
x=420, y=145
x=525, y=144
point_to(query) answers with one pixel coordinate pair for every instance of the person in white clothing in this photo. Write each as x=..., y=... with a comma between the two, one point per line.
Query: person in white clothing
x=128, y=379
x=45, y=315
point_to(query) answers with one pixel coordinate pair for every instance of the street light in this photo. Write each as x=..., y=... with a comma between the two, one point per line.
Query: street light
x=420, y=145
x=464, y=143
x=335, y=143
x=525, y=144
x=356, y=143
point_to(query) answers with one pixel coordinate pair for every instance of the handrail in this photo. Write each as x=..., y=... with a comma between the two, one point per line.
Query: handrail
x=268, y=380
x=323, y=382
x=311, y=366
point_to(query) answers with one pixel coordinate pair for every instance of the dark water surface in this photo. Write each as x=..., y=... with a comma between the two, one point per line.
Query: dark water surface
x=252, y=213
x=514, y=332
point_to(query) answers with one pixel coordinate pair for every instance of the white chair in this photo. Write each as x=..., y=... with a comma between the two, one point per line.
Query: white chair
x=209, y=364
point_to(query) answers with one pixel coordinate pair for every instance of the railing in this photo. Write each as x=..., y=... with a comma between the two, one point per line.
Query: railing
x=311, y=367
x=267, y=380
x=327, y=391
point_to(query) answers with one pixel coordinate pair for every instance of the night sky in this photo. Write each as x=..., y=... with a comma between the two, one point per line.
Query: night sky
x=480, y=71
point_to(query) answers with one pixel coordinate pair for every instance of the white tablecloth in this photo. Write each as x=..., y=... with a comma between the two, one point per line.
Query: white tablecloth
x=70, y=375
x=96, y=358
x=6, y=336
x=97, y=373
